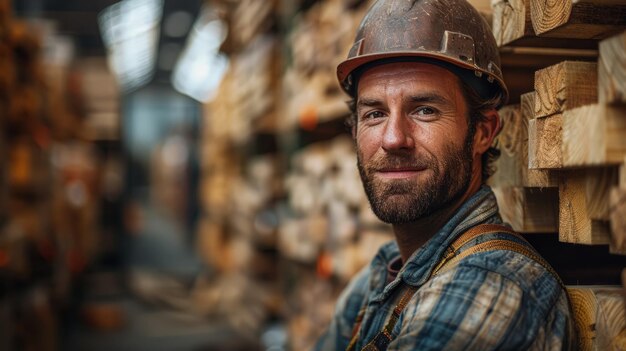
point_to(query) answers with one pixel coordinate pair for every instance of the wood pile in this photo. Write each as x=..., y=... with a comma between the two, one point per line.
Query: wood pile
x=239, y=184
x=329, y=228
x=571, y=124
x=331, y=222
x=564, y=144
x=248, y=19
x=246, y=100
x=318, y=43
x=49, y=184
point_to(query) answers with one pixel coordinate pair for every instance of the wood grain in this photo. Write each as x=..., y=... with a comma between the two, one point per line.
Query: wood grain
x=622, y=175
x=544, y=142
x=532, y=177
x=511, y=20
x=594, y=135
x=588, y=19
x=575, y=225
x=599, y=182
x=565, y=86
x=617, y=212
x=529, y=210
x=601, y=316
x=512, y=26
x=612, y=70
x=510, y=165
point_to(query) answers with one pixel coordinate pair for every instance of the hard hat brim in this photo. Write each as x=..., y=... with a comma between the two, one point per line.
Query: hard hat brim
x=466, y=70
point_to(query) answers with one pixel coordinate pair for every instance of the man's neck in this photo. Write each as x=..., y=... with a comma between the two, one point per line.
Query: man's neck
x=412, y=236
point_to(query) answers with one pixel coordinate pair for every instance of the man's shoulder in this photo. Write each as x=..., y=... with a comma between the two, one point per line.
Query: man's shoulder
x=512, y=265
x=535, y=281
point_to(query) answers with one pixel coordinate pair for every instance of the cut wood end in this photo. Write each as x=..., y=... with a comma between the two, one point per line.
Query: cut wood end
x=549, y=14
x=584, y=304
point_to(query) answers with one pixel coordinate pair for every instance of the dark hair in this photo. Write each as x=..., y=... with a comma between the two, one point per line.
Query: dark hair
x=476, y=105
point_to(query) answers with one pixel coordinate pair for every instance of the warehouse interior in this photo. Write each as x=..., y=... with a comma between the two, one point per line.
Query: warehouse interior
x=178, y=175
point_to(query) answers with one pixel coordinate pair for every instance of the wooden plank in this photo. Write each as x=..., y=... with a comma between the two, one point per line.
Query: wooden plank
x=622, y=175
x=594, y=135
x=527, y=105
x=601, y=316
x=529, y=210
x=582, y=19
x=483, y=6
x=520, y=63
x=510, y=166
x=617, y=209
x=575, y=226
x=544, y=142
x=612, y=70
x=564, y=86
x=617, y=213
x=532, y=177
x=511, y=20
x=512, y=26
x=599, y=182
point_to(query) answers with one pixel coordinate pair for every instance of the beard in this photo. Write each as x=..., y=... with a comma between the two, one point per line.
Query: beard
x=399, y=201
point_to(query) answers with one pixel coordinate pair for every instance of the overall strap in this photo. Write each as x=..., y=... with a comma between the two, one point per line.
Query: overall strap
x=451, y=258
x=521, y=246
x=384, y=337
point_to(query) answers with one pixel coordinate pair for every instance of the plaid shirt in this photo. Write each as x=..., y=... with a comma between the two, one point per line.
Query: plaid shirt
x=496, y=300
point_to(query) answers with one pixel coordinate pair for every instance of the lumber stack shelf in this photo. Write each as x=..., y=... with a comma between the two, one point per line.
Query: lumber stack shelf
x=566, y=135
x=561, y=176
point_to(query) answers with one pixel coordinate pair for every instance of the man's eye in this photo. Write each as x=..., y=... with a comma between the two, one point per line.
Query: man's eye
x=425, y=110
x=373, y=114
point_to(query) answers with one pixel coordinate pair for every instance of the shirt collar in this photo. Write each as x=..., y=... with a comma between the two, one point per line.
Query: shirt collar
x=479, y=208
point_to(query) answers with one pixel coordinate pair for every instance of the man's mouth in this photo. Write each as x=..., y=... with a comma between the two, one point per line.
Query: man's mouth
x=399, y=172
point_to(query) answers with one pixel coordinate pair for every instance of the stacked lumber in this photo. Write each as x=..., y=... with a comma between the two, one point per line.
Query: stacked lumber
x=528, y=198
x=48, y=187
x=249, y=18
x=571, y=127
x=330, y=228
x=562, y=168
x=556, y=23
x=318, y=43
x=239, y=186
x=40, y=123
x=234, y=236
x=328, y=202
x=246, y=99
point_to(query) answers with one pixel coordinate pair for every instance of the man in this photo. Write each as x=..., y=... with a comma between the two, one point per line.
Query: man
x=425, y=81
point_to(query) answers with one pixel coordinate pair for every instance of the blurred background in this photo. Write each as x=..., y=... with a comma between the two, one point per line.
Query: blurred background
x=176, y=174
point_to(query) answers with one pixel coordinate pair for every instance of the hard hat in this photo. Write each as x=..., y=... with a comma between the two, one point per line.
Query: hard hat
x=447, y=33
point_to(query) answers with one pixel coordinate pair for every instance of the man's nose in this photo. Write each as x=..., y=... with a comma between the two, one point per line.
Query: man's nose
x=397, y=133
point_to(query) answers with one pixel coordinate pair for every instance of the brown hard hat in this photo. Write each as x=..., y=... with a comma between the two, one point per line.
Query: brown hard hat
x=447, y=33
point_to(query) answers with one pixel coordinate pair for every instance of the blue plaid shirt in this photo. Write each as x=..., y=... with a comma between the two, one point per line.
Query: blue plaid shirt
x=496, y=300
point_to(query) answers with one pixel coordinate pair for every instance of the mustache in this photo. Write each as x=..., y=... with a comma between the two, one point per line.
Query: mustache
x=399, y=161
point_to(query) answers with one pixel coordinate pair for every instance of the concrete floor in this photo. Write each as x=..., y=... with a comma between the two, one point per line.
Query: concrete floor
x=160, y=248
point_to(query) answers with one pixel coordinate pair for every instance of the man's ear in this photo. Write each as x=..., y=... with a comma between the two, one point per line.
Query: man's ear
x=486, y=131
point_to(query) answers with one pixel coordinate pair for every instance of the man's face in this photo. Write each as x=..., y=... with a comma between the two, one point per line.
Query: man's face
x=414, y=151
